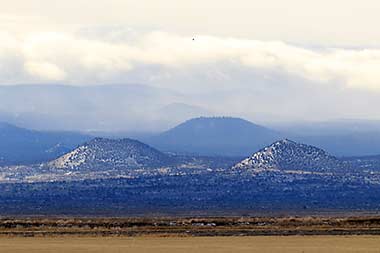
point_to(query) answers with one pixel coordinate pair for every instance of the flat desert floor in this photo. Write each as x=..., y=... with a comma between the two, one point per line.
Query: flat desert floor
x=262, y=244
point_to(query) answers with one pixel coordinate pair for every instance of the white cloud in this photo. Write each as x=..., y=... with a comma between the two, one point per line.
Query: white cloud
x=322, y=22
x=45, y=70
x=77, y=59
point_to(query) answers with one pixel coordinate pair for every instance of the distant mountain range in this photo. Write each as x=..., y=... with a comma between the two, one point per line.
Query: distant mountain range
x=214, y=136
x=104, y=108
x=354, y=144
x=204, y=136
x=110, y=158
x=339, y=137
x=120, y=110
x=229, y=136
x=23, y=146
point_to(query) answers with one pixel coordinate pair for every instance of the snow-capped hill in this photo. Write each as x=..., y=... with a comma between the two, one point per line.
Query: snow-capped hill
x=289, y=155
x=102, y=154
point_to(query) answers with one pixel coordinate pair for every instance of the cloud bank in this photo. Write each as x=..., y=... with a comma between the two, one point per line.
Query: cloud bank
x=263, y=81
x=163, y=58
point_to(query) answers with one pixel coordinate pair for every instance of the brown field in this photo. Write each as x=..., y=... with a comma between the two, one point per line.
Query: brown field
x=187, y=227
x=195, y=235
x=262, y=244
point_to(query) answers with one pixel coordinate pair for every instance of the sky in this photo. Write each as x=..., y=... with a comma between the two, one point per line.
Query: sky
x=265, y=60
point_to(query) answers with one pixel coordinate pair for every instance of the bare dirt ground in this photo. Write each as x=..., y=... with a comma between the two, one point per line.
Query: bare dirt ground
x=262, y=244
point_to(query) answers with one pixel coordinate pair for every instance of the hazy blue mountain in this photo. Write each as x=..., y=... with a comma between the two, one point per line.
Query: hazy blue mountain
x=339, y=137
x=341, y=127
x=23, y=146
x=129, y=107
x=215, y=136
x=137, y=111
x=355, y=144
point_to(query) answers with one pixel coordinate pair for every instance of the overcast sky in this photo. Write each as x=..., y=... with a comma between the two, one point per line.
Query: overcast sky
x=321, y=59
x=323, y=22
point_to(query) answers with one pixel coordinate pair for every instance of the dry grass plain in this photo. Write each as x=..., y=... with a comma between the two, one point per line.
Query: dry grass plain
x=146, y=244
x=179, y=227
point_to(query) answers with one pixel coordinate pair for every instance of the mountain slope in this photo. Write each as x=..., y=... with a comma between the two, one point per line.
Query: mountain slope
x=23, y=146
x=109, y=154
x=289, y=155
x=215, y=136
